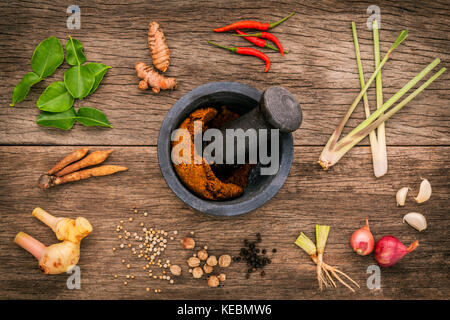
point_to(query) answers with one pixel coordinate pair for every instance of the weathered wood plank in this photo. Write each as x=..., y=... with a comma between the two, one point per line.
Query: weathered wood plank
x=342, y=198
x=320, y=69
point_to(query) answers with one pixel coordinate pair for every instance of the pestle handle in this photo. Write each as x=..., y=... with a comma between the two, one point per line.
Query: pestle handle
x=280, y=109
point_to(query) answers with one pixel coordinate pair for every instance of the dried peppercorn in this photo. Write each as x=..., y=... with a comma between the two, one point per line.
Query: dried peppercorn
x=253, y=256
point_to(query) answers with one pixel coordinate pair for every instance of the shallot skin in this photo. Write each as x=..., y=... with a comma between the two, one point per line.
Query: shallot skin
x=362, y=240
x=389, y=250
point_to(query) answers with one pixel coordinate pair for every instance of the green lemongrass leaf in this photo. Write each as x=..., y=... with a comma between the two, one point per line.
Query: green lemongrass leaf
x=23, y=87
x=337, y=132
x=372, y=136
x=55, y=98
x=376, y=51
x=79, y=81
x=47, y=56
x=331, y=157
x=74, y=52
x=98, y=70
x=92, y=117
x=397, y=96
x=360, y=69
x=62, y=120
x=306, y=244
x=321, y=237
x=401, y=37
x=352, y=139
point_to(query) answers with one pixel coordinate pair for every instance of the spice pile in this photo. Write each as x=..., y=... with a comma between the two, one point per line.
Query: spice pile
x=148, y=245
x=199, y=176
x=255, y=257
x=202, y=263
x=257, y=38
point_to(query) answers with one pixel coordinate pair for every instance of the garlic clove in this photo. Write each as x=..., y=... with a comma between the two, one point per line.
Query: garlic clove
x=401, y=196
x=424, y=191
x=416, y=220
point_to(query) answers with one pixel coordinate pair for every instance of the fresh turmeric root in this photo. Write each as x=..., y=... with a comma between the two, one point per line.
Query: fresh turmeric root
x=59, y=257
x=153, y=79
x=70, y=173
x=158, y=47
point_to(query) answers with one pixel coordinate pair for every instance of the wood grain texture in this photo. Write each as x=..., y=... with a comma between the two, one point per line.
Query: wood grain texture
x=320, y=69
x=309, y=196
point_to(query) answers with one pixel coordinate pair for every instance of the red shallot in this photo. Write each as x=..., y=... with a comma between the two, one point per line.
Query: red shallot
x=362, y=240
x=389, y=250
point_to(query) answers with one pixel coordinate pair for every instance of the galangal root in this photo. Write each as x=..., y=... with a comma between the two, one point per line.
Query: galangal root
x=158, y=47
x=153, y=79
x=66, y=169
x=59, y=257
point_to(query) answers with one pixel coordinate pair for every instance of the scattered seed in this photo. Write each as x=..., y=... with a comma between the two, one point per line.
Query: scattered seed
x=211, y=261
x=207, y=268
x=224, y=260
x=197, y=272
x=213, y=281
x=202, y=254
x=188, y=243
x=193, y=262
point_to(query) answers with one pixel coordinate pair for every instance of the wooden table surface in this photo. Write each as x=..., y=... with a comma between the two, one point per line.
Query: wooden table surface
x=320, y=70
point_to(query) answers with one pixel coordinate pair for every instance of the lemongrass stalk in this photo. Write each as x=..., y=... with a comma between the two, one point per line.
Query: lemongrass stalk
x=337, y=132
x=310, y=248
x=330, y=157
x=346, y=143
x=372, y=135
x=306, y=244
x=398, y=95
x=380, y=161
x=321, y=240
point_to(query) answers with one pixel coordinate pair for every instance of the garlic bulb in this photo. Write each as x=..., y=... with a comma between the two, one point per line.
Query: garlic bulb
x=401, y=196
x=424, y=191
x=415, y=220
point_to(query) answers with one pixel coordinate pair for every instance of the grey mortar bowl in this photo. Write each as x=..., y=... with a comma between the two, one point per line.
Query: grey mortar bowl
x=239, y=98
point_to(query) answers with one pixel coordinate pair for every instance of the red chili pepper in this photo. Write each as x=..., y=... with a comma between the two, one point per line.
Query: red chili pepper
x=257, y=41
x=246, y=51
x=265, y=35
x=248, y=24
